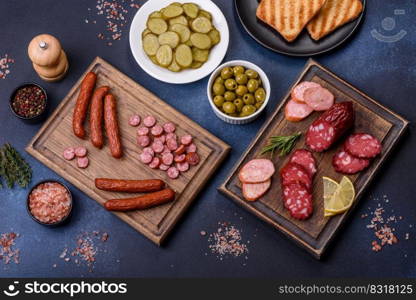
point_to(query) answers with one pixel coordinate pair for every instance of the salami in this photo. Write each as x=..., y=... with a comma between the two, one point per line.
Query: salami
x=256, y=171
x=345, y=163
x=69, y=153
x=149, y=121
x=143, y=140
x=363, y=145
x=173, y=172
x=182, y=167
x=134, y=120
x=167, y=158
x=186, y=140
x=318, y=98
x=169, y=127
x=181, y=149
x=305, y=158
x=253, y=191
x=295, y=112
x=330, y=126
x=295, y=173
x=81, y=151
x=157, y=130
x=142, y=131
x=299, y=90
x=82, y=162
x=155, y=163
x=298, y=200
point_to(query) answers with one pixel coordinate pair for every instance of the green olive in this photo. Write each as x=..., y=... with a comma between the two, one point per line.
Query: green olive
x=249, y=99
x=219, y=80
x=218, y=89
x=219, y=100
x=241, y=78
x=229, y=107
x=230, y=84
x=238, y=104
x=227, y=73
x=258, y=105
x=241, y=90
x=252, y=85
x=248, y=110
x=238, y=70
x=260, y=95
x=252, y=74
x=229, y=96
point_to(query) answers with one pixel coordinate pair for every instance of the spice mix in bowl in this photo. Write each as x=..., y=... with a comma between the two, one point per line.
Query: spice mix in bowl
x=28, y=102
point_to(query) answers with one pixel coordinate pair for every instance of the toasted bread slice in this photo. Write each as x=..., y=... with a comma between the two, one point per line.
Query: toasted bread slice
x=334, y=14
x=288, y=17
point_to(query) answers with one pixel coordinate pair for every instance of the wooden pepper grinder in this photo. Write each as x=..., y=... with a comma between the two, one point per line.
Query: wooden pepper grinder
x=48, y=58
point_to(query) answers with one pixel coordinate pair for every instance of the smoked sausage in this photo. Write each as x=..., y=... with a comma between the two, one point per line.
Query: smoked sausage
x=111, y=126
x=129, y=186
x=141, y=202
x=96, y=116
x=81, y=107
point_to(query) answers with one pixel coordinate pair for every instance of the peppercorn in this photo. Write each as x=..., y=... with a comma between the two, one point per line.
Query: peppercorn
x=29, y=101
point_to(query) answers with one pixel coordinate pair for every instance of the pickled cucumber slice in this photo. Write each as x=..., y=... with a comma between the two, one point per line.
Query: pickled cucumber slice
x=172, y=11
x=169, y=38
x=200, y=55
x=196, y=65
x=189, y=43
x=145, y=32
x=215, y=36
x=179, y=20
x=201, y=41
x=182, y=30
x=150, y=44
x=157, y=25
x=174, y=67
x=176, y=3
x=201, y=25
x=183, y=56
x=153, y=59
x=164, y=55
x=204, y=13
x=191, y=10
x=156, y=14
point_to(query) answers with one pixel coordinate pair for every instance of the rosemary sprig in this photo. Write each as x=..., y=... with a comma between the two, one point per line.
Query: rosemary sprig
x=13, y=168
x=283, y=143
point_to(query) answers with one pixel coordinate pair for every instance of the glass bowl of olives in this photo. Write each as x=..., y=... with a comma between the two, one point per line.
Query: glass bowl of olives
x=238, y=91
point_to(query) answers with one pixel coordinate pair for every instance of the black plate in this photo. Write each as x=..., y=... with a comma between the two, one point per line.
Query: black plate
x=304, y=45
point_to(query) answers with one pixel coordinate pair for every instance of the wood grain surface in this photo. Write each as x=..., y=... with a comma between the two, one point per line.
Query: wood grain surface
x=56, y=135
x=315, y=233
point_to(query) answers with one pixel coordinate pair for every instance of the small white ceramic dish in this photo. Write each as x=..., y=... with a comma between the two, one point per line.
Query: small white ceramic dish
x=247, y=65
x=186, y=76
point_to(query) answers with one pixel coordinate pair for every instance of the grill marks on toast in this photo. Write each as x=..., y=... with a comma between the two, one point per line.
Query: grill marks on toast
x=333, y=14
x=288, y=17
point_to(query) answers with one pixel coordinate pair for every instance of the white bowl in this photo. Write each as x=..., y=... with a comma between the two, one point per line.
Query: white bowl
x=238, y=120
x=186, y=76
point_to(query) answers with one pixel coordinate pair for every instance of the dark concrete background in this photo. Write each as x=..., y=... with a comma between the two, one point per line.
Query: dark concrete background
x=385, y=71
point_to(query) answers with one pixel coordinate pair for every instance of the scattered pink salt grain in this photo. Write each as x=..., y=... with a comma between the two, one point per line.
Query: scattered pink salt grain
x=5, y=63
x=9, y=253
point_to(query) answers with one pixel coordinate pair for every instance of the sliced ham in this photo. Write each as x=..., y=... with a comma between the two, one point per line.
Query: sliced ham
x=256, y=171
x=253, y=191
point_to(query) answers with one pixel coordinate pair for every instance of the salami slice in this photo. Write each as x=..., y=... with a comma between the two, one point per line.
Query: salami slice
x=345, y=163
x=81, y=151
x=157, y=130
x=182, y=167
x=172, y=144
x=186, y=140
x=363, y=145
x=299, y=90
x=192, y=158
x=256, y=171
x=149, y=121
x=158, y=147
x=143, y=131
x=305, y=158
x=143, y=140
x=146, y=158
x=253, y=191
x=155, y=163
x=318, y=98
x=180, y=158
x=173, y=172
x=167, y=159
x=69, y=153
x=163, y=167
x=320, y=136
x=169, y=127
x=298, y=200
x=82, y=162
x=295, y=112
x=134, y=120
x=295, y=173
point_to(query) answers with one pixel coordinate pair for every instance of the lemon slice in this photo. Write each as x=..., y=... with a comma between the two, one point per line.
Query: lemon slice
x=330, y=187
x=342, y=199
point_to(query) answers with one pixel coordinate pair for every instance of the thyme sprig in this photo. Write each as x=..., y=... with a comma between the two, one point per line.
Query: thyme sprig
x=13, y=167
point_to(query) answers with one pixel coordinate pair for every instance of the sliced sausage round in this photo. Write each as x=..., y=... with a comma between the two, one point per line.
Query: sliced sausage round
x=143, y=131
x=298, y=91
x=167, y=158
x=69, y=153
x=149, y=121
x=81, y=151
x=320, y=136
x=363, y=145
x=158, y=147
x=295, y=112
x=181, y=149
x=157, y=130
x=318, y=98
x=169, y=127
x=345, y=163
x=256, y=170
x=182, y=167
x=186, y=139
x=172, y=144
x=180, y=158
x=298, y=200
x=163, y=167
x=149, y=150
x=173, y=172
x=192, y=158
x=143, y=140
x=134, y=120
x=155, y=163
x=191, y=148
x=82, y=162
x=253, y=191
x=146, y=158
x=295, y=173
x=161, y=138
x=305, y=158
x=171, y=136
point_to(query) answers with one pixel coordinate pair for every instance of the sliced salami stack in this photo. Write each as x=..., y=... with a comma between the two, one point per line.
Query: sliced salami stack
x=356, y=154
x=256, y=178
x=297, y=182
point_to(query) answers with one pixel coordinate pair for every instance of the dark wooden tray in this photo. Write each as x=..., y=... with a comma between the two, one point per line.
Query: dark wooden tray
x=316, y=233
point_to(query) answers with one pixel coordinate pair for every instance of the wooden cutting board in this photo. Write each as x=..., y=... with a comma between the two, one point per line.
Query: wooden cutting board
x=56, y=135
x=315, y=233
